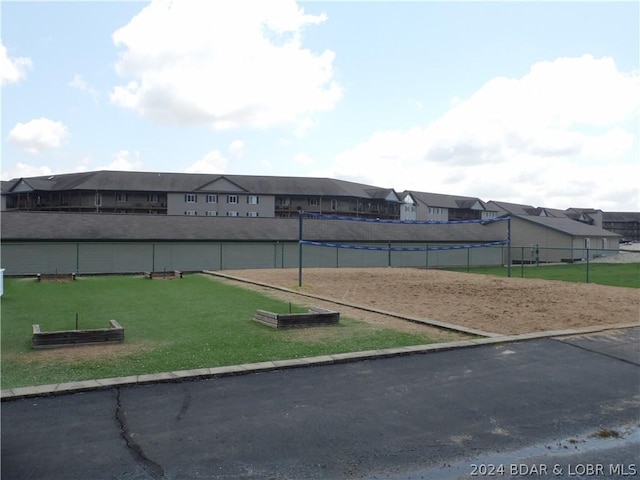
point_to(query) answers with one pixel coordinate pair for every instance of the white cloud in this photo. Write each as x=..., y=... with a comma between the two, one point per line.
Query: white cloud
x=562, y=135
x=212, y=162
x=215, y=161
x=20, y=170
x=303, y=159
x=12, y=69
x=224, y=64
x=236, y=148
x=124, y=160
x=38, y=135
x=81, y=84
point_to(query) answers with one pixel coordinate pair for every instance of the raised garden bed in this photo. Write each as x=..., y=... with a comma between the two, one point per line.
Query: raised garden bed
x=55, y=277
x=69, y=338
x=166, y=275
x=314, y=317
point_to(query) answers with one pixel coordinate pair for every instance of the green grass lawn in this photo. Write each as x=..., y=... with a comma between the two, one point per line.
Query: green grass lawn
x=190, y=323
x=613, y=274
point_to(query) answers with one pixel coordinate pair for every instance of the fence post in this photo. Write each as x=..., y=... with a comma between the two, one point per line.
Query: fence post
x=522, y=263
x=300, y=213
x=587, y=264
x=509, y=247
x=275, y=254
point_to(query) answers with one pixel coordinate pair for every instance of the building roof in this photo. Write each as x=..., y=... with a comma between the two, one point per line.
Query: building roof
x=50, y=226
x=445, y=201
x=568, y=226
x=621, y=217
x=585, y=211
x=191, y=182
x=552, y=212
x=513, y=208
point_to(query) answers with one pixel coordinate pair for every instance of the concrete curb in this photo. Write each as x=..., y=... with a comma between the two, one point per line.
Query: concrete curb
x=244, y=369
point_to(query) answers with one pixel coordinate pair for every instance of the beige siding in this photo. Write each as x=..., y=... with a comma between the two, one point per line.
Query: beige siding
x=525, y=236
x=29, y=258
x=533, y=243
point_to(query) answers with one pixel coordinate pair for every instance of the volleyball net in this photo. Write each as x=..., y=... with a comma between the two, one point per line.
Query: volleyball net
x=393, y=235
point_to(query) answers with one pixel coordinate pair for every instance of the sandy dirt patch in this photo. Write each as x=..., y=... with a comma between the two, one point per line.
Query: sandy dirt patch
x=491, y=304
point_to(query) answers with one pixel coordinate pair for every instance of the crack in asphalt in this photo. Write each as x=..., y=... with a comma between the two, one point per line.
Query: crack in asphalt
x=186, y=403
x=591, y=350
x=151, y=467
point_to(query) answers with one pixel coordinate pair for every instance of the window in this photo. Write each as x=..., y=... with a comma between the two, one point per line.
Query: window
x=605, y=244
x=587, y=243
x=436, y=210
x=313, y=202
x=153, y=198
x=334, y=205
x=232, y=214
x=191, y=198
x=98, y=199
x=232, y=198
x=211, y=213
x=253, y=199
x=212, y=198
x=122, y=197
x=409, y=208
x=252, y=214
x=191, y=213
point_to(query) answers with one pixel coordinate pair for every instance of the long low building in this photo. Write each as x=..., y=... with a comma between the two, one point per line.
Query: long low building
x=543, y=239
x=46, y=242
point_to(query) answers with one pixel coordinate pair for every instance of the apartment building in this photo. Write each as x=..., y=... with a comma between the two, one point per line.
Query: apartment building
x=198, y=195
x=441, y=207
x=217, y=195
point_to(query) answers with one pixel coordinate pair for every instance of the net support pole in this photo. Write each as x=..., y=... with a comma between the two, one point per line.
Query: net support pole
x=509, y=246
x=300, y=216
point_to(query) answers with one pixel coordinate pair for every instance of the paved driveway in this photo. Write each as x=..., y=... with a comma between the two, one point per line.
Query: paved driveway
x=437, y=415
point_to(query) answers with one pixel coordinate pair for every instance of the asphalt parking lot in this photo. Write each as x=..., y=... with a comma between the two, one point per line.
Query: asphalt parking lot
x=531, y=405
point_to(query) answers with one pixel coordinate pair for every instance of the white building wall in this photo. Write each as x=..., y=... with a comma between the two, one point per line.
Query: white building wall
x=408, y=212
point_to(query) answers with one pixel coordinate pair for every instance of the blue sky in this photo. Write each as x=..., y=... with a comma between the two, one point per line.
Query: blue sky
x=526, y=102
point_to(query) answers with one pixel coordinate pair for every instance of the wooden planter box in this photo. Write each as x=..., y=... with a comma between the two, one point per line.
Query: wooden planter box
x=56, y=277
x=69, y=338
x=171, y=274
x=314, y=317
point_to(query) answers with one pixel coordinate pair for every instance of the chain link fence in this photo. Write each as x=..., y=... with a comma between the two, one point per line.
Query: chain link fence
x=583, y=264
